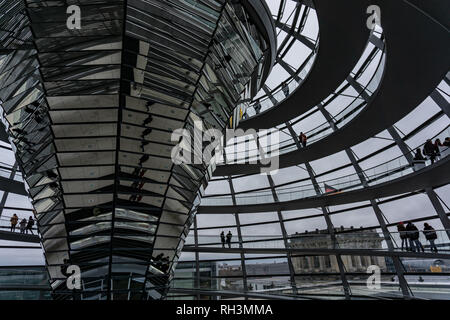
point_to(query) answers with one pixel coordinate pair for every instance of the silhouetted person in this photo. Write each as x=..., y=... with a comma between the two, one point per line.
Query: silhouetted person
x=429, y=149
x=257, y=107
x=418, y=155
x=222, y=239
x=14, y=219
x=303, y=139
x=23, y=225
x=413, y=235
x=437, y=145
x=430, y=235
x=64, y=267
x=285, y=88
x=30, y=225
x=446, y=142
x=403, y=235
x=229, y=236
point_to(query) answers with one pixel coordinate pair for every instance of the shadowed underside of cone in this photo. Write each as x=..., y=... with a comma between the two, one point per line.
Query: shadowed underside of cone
x=90, y=113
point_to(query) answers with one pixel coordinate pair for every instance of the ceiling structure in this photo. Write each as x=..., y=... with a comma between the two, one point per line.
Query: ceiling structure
x=365, y=98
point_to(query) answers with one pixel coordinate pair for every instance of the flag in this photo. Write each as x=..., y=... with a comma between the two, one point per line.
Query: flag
x=329, y=189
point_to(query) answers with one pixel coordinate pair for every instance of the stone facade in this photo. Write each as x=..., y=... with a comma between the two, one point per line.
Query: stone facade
x=345, y=239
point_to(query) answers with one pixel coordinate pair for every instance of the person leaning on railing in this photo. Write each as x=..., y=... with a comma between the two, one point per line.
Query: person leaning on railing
x=413, y=235
x=403, y=235
x=447, y=142
x=430, y=235
x=14, y=220
x=23, y=225
x=429, y=149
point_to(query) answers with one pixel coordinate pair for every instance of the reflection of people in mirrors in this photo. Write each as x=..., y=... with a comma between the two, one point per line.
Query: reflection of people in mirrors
x=165, y=264
x=413, y=235
x=431, y=236
x=23, y=225
x=418, y=155
x=30, y=225
x=429, y=150
x=161, y=262
x=403, y=235
x=447, y=142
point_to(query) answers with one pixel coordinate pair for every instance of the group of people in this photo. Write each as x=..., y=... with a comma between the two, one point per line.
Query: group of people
x=411, y=233
x=431, y=150
x=226, y=239
x=24, y=225
x=161, y=262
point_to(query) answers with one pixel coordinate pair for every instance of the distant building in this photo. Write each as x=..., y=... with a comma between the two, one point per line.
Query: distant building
x=346, y=238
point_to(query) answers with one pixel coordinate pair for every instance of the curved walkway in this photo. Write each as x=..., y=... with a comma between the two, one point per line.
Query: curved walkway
x=349, y=112
x=19, y=237
x=318, y=251
x=414, y=68
x=343, y=37
x=432, y=176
